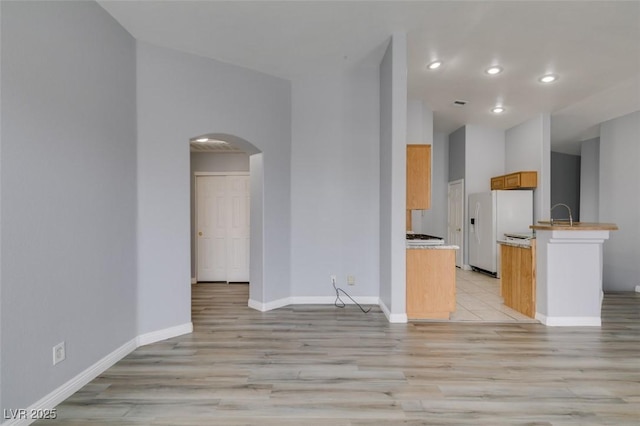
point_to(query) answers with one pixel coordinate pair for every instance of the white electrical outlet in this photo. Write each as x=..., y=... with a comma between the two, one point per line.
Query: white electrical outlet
x=351, y=279
x=638, y=289
x=59, y=353
x=333, y=279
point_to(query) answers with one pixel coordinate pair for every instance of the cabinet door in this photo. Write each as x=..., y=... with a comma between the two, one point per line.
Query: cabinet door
x=418, y=177
x=497, y=182
x=528, y=179
x=512, y=181
x=431, y=283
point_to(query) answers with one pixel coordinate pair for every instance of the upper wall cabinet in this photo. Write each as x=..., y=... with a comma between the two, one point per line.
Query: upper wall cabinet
x=418, y=177
x=518, y=180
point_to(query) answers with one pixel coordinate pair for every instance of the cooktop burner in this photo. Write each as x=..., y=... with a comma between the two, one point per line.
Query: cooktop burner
x=422, y=237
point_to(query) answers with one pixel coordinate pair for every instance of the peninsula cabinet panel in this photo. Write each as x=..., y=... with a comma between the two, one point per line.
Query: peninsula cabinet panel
x=418, y=177
x=431, y=283
x=518, y=278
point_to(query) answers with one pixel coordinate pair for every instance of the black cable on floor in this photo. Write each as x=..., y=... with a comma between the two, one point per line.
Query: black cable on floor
x=340, y=304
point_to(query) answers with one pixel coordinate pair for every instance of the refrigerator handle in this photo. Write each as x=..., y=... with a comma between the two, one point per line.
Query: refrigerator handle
x=477, y=214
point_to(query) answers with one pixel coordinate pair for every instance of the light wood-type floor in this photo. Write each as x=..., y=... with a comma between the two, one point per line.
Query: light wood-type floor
x=321, y=365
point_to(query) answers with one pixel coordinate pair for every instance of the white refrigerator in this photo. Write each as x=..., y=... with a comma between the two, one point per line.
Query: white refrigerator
x=491, y=214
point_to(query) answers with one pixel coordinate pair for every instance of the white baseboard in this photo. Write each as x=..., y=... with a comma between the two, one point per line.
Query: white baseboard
x=393, y=318
x=264, y=307
x=194, y=280
x=330, y=300
x=569, y=321
x=76, y=383
x=327, y=300
x=167, y=333
x=466, y=268
x=309, y=300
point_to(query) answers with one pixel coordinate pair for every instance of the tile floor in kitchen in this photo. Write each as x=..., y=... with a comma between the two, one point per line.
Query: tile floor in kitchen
x=478, y=299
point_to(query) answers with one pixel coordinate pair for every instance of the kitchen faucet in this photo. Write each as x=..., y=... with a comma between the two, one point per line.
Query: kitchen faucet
x=568, y=209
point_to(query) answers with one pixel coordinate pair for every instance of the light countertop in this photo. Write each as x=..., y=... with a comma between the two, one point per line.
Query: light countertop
x=433, y=247
x=514, y=244
x=577, y=226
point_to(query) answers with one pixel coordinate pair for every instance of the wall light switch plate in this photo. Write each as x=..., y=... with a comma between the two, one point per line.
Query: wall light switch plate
x=351, y=279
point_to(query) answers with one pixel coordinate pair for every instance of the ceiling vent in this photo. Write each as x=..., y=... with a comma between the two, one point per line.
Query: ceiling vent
x=459, y=103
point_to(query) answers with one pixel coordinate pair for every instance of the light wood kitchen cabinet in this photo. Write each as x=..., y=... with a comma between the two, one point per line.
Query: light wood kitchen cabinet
x=418, y=177
x=497, y=182
x=517, y=180
x=431, y=283
x=521, y=180
x=518, y=277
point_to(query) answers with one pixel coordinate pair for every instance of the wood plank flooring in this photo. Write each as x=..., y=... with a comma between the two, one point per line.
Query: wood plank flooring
x=322, y=365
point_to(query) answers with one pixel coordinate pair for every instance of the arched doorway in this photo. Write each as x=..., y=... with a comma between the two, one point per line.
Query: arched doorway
x=235, y=157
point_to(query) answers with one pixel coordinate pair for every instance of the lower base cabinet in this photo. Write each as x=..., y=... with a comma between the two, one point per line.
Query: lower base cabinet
x=431, y=283
x=518, y=278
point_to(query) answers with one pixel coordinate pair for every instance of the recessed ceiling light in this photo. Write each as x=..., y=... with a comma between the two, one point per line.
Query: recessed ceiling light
x=434, y=65
x=202, y=140
x=549, y=78
x=497, y=110
x=494, y=70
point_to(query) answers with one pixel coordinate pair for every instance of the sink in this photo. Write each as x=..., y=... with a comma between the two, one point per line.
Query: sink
x=558, y=222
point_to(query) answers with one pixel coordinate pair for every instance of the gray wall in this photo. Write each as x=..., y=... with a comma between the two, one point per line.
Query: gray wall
x=386, y=152
x=393, y=185
x=565, y=184
x=1, y=405
x=475, y=154
x=620, y=200
x=211, y=162
x=335, y=179
x=589, y=180
x=434, y=221
x=528, y=147
x=68, y=267
x=181, y=96
x=457, y=154
x=484, y=158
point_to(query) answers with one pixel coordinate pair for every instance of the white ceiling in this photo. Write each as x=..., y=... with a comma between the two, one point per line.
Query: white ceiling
x=594, y=47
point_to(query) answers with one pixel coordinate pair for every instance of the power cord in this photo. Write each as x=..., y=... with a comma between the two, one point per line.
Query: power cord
x=339, y=303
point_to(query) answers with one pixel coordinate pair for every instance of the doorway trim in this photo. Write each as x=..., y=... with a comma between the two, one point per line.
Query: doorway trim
x=450, y=217
x=257, y=284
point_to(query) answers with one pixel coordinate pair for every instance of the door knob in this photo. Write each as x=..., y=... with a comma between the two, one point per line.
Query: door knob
x=200, y=233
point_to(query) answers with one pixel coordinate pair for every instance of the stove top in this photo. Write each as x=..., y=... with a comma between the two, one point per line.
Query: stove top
x=423, y=240
x=422, y=237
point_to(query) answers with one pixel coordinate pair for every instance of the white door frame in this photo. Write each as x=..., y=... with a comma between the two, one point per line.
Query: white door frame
x=460, y=252
x=195, y=204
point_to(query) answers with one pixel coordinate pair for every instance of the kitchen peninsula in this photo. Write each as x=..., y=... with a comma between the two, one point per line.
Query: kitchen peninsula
x=569, y=272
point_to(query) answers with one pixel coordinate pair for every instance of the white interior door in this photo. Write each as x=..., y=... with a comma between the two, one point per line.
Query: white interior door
x=211, y=228
x=222, y=228
x=456, y=218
